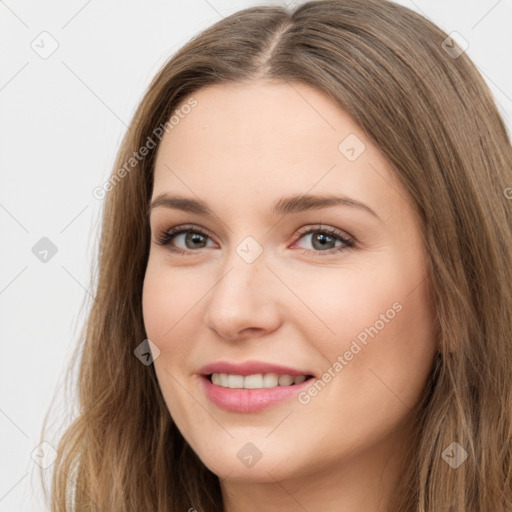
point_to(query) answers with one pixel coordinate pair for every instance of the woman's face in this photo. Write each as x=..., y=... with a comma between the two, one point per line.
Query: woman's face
x=300, y=255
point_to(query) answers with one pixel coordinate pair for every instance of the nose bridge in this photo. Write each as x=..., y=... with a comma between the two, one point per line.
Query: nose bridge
x=244, y=274
x=242, y=296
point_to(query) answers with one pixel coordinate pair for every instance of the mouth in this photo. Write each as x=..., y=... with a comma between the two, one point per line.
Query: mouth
x=257, y=380
x=252, y=393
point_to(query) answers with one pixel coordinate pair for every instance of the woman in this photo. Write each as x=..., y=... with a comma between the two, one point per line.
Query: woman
x=234, y=360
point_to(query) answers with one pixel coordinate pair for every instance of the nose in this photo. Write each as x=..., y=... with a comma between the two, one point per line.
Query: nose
x=244, y=301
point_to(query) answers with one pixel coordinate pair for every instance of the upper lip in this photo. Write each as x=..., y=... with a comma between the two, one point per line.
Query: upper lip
x=250, y=368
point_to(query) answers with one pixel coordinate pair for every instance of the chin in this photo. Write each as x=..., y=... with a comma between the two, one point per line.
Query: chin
x=246, y=463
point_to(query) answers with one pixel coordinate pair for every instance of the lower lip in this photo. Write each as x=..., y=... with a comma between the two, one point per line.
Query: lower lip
x=250, y=400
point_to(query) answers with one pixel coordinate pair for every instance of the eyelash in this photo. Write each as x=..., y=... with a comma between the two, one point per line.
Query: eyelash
x=164, y=238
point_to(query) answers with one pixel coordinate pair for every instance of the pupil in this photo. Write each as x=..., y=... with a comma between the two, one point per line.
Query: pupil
x=322, y=238
x=194, y=238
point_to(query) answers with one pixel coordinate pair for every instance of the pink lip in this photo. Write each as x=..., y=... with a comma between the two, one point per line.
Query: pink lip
x=249, y=400
x=250, y=368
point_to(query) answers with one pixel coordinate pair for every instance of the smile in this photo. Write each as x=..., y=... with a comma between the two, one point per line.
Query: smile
x=235, y=394
x=256, y=381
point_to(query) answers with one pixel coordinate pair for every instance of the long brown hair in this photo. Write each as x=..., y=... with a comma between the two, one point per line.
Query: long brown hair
x=431, y=114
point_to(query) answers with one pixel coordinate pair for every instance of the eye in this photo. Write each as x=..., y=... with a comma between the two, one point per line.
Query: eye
x=324, y=240
x=193, y=238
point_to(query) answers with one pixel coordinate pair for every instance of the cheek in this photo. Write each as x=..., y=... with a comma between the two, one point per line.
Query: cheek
x=166, y=302
x=156, y=308
x=340, y=304
x=377, y=363
x=379, y=321
x=168, y=299
x=402, y=352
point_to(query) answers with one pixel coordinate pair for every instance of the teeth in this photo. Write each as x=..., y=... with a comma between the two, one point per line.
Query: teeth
x=256, y=381
x=253, y=381
x=223, y=379
x=235, y=381
x=270, y=380
x=285, y=380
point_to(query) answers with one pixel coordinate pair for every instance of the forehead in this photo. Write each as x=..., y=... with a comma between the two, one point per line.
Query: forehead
x=250, y=142
x=261, y=118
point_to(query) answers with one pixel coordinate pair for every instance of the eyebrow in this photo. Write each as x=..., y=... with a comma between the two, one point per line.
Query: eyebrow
x=283, y=206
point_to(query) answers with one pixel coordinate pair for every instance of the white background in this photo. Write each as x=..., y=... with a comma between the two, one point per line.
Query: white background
x=62, y=119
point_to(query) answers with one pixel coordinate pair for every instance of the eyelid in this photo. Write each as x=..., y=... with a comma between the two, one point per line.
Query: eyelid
x=326, y=229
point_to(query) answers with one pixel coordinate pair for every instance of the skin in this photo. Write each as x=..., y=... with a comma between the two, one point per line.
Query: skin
x=240, y=149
